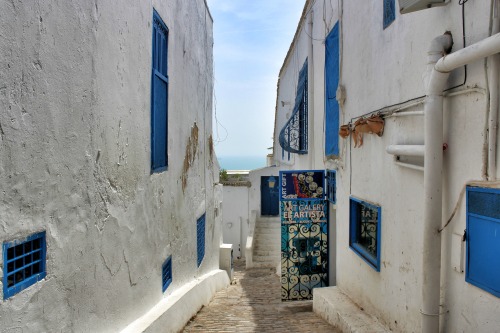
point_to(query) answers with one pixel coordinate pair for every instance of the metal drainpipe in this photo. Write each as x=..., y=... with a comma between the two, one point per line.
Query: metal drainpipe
x=494, y=102
x=310, y=91
x=433, y=168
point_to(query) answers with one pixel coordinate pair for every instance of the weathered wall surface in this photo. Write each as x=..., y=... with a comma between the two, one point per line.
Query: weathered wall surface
x=235, y=218
x=379, y=68
x=75, y=157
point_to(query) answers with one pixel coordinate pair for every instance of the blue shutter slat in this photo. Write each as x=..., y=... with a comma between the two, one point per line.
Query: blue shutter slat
x=331, y=84
x=160, y=122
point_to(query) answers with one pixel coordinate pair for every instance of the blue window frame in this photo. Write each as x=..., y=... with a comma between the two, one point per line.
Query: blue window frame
x=331, y=83
x=200, y=237
x=482, y=267
x=331, y=183
x=294, y=135
x=364, y=236
x=166, y=273
x=389, y=12
x=23, y=263
x=159, y=96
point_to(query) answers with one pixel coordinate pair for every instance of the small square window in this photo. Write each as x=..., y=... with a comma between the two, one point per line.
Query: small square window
x=482, y=267
x=331, y=184
x=166, y=271
x=24, y=263
x=200, y=235
x=364, y=238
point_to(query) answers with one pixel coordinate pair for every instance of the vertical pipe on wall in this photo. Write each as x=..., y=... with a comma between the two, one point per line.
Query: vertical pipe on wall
x=433, y=169
x=310, y=92
x=494, y=101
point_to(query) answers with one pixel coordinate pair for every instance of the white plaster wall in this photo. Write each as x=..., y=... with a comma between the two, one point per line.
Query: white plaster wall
x=380, y=68
x=75, y=157
x=254, y=191
x=235, y=218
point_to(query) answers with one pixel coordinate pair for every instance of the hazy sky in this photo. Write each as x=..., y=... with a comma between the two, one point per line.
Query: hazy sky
x=251, y=38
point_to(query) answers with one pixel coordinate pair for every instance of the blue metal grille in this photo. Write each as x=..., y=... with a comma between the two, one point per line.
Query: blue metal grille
x=484, y=203
x=293, y=136
x=200, y=228
x=389, y=12
x=483, y=239
x=24, y=263
x=331, y=183
x=166, y=273
x=364, y=236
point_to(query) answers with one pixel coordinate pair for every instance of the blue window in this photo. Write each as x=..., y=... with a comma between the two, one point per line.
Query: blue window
x=331, y=183
x=200, y=237
x=166, y=273
x=159, y=96
x=482, y=267
x=331, y=84
x=364, y=236
x=23, y=263
x=389, y=12
x=294, y=135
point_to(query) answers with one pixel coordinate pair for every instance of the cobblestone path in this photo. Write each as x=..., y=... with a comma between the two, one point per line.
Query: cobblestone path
x=252, y=303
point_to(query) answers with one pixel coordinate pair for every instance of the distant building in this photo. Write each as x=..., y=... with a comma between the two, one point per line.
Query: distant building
x=109, y=216
x=416, y=246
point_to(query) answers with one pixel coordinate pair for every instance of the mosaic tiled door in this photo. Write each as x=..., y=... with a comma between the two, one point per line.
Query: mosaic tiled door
x=304, y=234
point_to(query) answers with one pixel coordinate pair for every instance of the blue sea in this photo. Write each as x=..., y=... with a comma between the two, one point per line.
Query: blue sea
x=241, y=162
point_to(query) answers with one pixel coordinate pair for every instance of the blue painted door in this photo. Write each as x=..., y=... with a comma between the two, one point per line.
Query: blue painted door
x=269, y=200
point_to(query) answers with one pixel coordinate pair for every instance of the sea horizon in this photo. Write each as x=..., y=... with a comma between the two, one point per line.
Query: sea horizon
x=228, y=162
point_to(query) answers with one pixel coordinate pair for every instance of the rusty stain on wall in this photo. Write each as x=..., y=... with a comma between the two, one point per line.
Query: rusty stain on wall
x=191, y=149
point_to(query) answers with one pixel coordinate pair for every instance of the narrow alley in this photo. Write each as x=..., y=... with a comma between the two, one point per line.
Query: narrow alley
x=252, y=303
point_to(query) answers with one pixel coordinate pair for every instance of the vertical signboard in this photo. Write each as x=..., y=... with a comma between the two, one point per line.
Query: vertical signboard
x=304, y=233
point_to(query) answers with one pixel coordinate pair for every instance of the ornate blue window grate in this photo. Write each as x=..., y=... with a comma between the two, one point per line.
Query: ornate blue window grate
x=482, y=267
x=159, y=95
x=200, y=236
x=24, y=263
x=331, y=183
x=364, y=236
x=293, y=136
x=389, y=12
x=166, y=273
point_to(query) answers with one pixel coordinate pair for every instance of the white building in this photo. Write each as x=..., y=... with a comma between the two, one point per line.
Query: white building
x=349, y=60
x=109, y=215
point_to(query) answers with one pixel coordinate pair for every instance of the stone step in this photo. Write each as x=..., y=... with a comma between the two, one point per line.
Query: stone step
x=266, y=258
x=262, y=252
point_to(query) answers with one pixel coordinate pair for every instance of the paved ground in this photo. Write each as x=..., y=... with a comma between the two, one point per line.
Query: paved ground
x=253, y=304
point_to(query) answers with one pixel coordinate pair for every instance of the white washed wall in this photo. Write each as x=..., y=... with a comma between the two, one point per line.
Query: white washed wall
x=75, y=157
x=381, y=68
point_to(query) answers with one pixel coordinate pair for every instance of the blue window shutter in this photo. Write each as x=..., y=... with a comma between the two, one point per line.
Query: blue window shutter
x=331, y=83
x=159, y=95
x=389, y=12
x=482, y=267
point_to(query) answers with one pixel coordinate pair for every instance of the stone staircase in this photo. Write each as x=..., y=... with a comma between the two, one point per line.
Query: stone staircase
x=267, y=242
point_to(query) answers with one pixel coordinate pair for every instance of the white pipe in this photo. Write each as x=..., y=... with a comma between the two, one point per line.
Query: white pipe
x=406, y=113
x=433, y=168
x=406, y=150
x=410, y=166
x=494, y=102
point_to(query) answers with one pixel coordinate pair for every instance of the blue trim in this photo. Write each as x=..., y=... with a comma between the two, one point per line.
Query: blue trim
x=159, y=100
x=389, y=12
x=298, y=122
x=331, y=186
x=166, y=273
x=39, y=263
x=354, y=218
x=332, y=56
x=200, y=239
x=482, y=258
